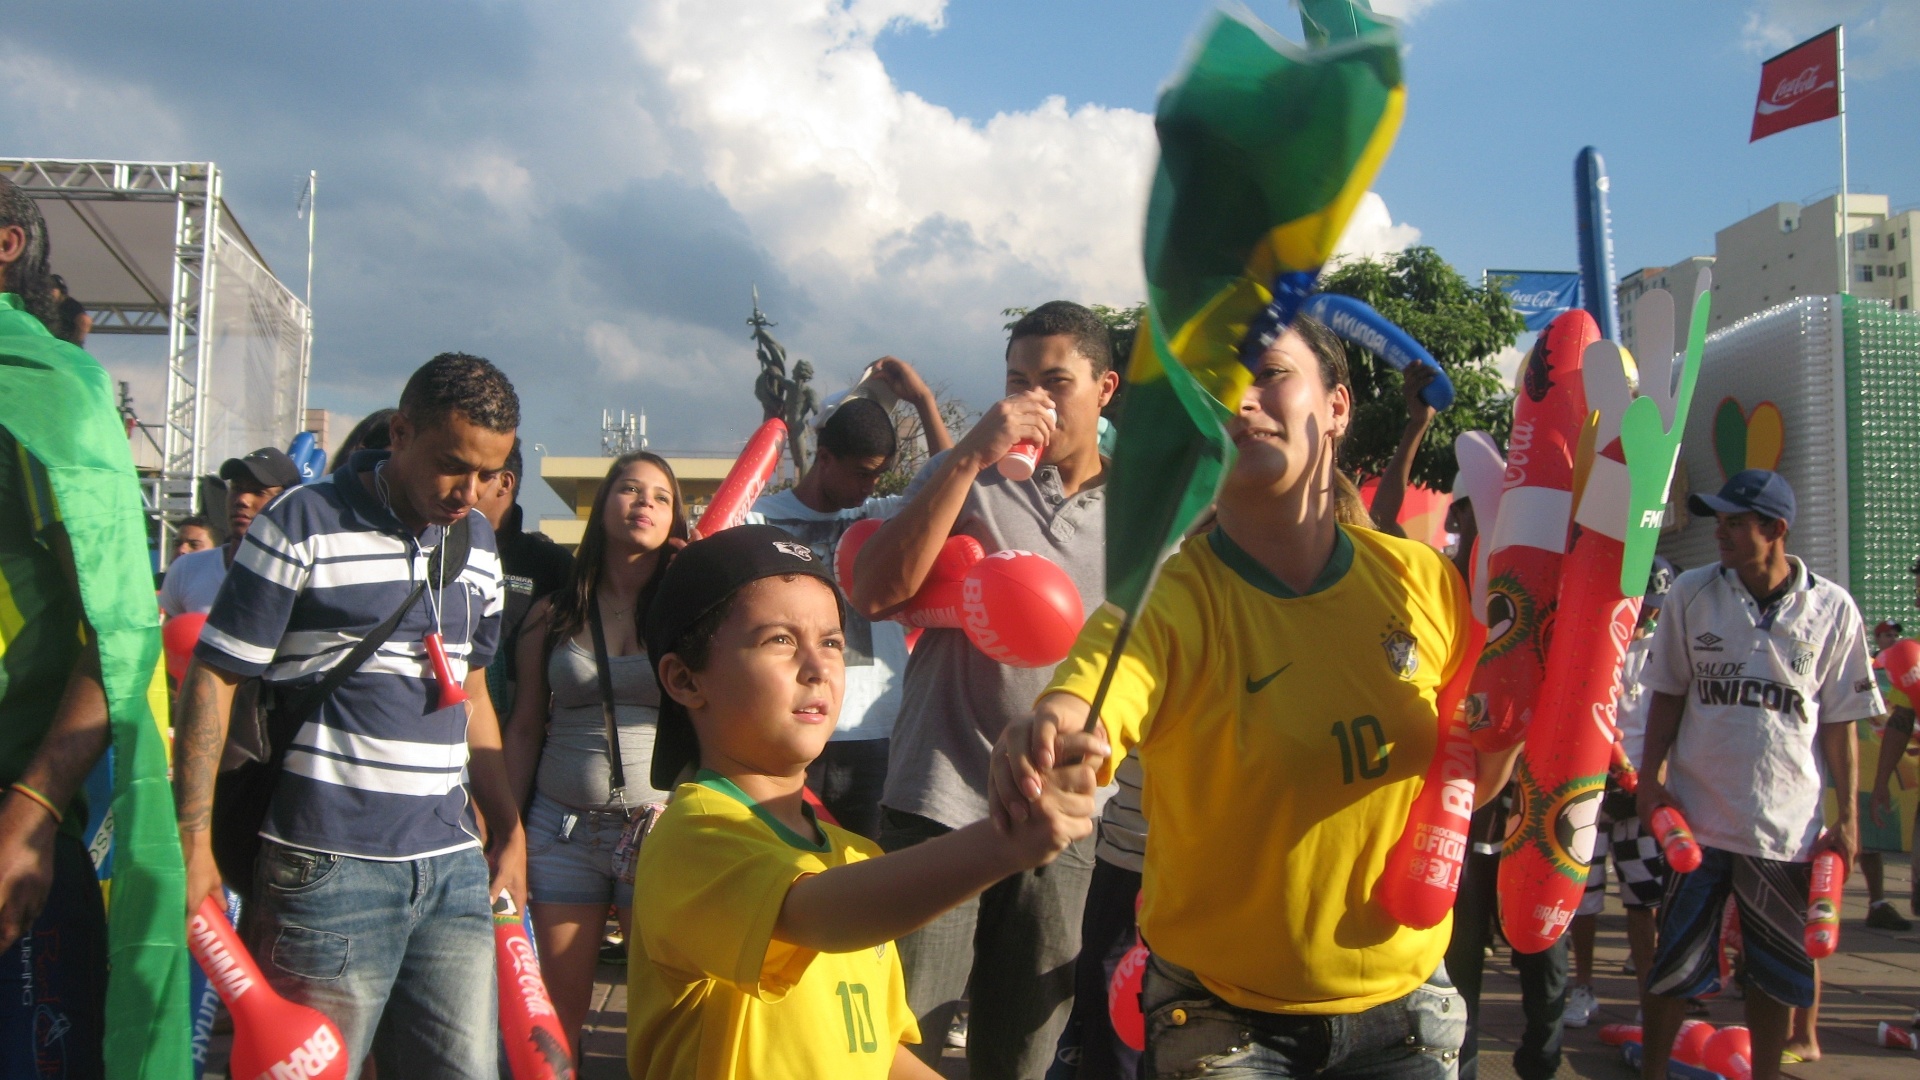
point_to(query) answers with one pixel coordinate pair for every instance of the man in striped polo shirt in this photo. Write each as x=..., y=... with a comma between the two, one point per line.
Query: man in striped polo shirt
x=371, y=898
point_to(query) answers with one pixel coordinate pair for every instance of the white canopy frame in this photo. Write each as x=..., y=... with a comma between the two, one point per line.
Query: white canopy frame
x=143, y=245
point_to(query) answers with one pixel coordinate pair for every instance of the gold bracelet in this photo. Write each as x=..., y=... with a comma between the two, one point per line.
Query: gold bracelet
x=45, y=803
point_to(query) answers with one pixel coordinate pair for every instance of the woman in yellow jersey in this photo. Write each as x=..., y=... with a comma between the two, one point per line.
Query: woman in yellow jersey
x=763, y=938
x=1280, y=690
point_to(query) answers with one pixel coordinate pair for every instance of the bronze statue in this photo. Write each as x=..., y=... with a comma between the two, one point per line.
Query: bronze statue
x=793, y=400
x=803, y=403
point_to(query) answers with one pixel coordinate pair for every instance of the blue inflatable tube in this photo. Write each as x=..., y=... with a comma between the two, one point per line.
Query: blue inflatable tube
x=1356, y=323
x=1595, y=224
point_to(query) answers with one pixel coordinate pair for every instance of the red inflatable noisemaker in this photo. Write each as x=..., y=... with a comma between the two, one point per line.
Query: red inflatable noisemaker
x=272, y=1037
x=1676, y=840
x=1822, y=934
x=536, y=1047
x=744, y=482
x=451, y=692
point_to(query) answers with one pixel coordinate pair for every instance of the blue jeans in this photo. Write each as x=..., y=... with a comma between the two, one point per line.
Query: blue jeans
x=399, y=955
x=1191, y=1033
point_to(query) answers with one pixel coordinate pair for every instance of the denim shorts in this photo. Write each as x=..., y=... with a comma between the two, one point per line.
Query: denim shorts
x=570, y=855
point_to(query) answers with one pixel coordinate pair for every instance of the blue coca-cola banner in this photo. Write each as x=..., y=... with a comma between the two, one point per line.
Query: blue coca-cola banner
x=1539, y=295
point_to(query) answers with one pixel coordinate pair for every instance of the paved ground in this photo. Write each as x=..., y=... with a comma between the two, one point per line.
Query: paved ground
x=1874, y=977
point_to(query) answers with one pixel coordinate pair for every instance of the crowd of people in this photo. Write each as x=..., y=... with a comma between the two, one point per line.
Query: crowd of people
x=832, y=854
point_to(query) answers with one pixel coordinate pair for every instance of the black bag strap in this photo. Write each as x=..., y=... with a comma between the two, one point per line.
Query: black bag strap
x=447, y=562
x=614, y=763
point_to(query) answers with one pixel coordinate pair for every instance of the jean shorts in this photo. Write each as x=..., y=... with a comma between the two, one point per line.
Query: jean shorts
x=570, y=855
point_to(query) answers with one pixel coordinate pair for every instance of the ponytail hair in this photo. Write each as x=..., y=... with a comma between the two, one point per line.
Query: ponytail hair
x=1348, y=508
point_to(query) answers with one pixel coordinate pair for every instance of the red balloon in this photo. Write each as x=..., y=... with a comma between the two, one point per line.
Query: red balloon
x=1730, y=1053
x=1690, y=1045
x=271, y=1035
x=1123, y=997
x=848, y=550
x=1021, y=610
x=179, y=635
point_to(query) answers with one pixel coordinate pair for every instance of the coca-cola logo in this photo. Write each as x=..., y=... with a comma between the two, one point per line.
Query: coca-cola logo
x=526, y=972
x=1541, y=299
x=1789, y=91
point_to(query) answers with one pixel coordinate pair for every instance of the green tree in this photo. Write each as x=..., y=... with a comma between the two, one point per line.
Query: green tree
x=1464, y=326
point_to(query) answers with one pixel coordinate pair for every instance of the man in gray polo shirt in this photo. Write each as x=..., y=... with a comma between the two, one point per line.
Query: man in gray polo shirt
x=1014, y=945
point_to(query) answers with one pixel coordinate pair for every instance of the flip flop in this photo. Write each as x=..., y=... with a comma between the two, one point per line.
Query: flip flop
x=1788, y=1057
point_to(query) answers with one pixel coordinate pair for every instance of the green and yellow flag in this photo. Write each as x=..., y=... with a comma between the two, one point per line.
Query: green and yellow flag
x=1265, y=148
x=57, y=403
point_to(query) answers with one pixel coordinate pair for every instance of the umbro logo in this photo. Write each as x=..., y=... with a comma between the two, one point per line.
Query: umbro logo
x=1708, y=642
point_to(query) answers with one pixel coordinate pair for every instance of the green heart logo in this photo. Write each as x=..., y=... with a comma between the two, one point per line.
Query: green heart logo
x=1748, y=440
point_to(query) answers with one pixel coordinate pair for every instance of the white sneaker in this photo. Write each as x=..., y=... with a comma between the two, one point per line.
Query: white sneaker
x=957, y=1033
x=1580, y=1007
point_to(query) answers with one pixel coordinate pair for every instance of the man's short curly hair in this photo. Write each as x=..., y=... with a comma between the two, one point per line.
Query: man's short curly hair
x=459, y=382
x=1091, y=338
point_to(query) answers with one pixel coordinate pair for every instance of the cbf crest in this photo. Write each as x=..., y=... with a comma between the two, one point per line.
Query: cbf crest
x=1403, y=653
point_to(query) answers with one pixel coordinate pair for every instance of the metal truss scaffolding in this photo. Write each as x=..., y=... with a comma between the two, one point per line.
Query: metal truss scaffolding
x=145, y=246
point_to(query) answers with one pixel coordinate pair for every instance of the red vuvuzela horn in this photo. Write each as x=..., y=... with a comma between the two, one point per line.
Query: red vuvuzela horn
x=272, y=1037
x=744, y=482
x=536, y=1047
x=1423, y=872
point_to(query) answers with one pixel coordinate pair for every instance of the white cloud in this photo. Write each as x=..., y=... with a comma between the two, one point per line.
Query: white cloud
x=1371, y=231
x=58, y=110
x=1882, y=35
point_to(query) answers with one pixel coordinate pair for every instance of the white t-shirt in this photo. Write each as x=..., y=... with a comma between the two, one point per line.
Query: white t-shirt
x=1634, y=699
x=1758, y=685
x=876, y=651
x=192, y=581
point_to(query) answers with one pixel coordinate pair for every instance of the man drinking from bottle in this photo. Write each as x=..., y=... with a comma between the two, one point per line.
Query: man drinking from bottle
x=1758, y=670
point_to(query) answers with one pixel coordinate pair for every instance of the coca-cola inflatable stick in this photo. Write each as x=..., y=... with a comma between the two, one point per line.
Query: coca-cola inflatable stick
x=1526, y=541
x=272, y=1036
x=1563, y=768
x=745, y=481
x=529, y=1027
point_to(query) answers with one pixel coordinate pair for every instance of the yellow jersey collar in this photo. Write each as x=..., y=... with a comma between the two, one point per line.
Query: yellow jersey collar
x=713, y=781
x=1263, y=579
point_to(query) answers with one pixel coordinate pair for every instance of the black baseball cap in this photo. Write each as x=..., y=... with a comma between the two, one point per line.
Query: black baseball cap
x=269, y=465
x=1759, y=491
x=700, y=578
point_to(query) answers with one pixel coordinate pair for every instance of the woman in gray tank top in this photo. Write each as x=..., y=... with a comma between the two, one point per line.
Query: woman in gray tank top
x=556, y=743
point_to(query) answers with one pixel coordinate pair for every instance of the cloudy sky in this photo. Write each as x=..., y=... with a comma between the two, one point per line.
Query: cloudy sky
x=585, y=192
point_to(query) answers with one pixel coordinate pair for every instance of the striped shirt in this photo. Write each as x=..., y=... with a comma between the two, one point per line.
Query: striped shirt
x=380, y=771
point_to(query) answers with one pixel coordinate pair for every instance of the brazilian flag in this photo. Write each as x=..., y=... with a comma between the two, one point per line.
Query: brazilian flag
x=57, y=403
x=1265, y=148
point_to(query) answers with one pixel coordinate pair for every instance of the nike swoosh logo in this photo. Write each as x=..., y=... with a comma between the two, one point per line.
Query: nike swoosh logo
x=1254, y=686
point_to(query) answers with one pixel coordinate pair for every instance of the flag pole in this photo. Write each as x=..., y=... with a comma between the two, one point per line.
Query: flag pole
x=1846, y=242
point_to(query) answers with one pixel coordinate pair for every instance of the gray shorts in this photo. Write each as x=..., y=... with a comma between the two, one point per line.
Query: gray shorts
x=570, y=855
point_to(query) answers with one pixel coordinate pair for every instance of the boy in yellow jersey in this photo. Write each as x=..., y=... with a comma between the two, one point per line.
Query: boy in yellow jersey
x=763, y=937
x=1280, y=691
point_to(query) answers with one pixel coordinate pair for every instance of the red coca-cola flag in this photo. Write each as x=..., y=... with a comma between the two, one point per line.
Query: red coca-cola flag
x=1799, y=86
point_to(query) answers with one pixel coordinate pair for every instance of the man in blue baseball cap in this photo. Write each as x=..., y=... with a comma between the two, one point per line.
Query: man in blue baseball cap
x=1757, y=672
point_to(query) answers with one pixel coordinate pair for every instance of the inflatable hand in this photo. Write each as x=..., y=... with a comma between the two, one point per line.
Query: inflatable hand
x=1822, y=934
x=178, y=636
x=529, y=1027
x=271, y=1035
x=1527, y=539
x=1651, y=429
x=744, y=482
x=1483, y=475
x=847, y=552
x=940, y=601
x=1676, y=840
